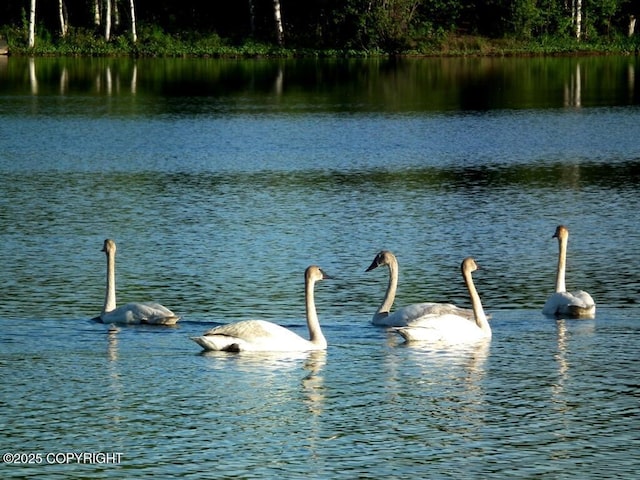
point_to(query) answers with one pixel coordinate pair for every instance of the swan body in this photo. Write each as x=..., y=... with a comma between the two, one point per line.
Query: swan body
x=562, y=303
x=263, y=336
x=447, y=326
x=131, y=313
x=411, y=313
x=139, y=313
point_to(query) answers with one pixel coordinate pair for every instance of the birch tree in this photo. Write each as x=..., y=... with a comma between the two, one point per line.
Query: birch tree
x=62, y=13
x=252, y=17
x=576, y=8
x=278, y=18
x=107, y=20
x=116, y=14
x=32, y=24
x=134, y=36
x=96, y=12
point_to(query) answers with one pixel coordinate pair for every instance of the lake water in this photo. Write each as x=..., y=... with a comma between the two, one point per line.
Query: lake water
x=221, y=181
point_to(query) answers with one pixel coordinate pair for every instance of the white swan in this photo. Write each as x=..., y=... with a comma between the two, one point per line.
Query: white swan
x=450, y=327
x=131, y=313
x=411, y=313
x=562, y=303
x=263, y=336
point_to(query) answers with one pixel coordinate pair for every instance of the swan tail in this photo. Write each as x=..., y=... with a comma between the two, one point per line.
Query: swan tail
x=425, y=334
x=172, y=320
x=580, y=311
x=414, y=333
x=218, y=343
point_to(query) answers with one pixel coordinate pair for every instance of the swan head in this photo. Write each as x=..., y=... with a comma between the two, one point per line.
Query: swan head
x=469, y=265
x=561, y=232
x=109, y=246
x=384, y=257
x=315, y=273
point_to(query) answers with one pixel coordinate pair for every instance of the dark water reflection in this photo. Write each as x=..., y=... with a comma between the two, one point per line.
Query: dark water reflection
x=194, y=87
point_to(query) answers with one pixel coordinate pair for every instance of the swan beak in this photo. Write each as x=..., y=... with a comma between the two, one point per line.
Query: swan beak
x=373, y=265
x=325, y=276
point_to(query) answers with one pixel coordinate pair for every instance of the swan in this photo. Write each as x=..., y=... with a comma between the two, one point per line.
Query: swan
x=411, y=313
x=263, y=336
x=131, y=313
x=448, y=326
x=562, y=303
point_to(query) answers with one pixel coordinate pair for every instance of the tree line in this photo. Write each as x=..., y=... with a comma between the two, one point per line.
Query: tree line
x=370, y=25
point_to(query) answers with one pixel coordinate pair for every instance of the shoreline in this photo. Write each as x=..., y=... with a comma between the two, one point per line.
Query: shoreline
x=447, y=46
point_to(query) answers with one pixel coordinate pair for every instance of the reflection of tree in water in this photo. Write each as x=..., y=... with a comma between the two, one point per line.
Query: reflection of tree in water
x=573, y=89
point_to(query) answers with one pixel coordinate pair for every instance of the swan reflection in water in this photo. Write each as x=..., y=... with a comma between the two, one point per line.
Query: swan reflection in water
x=442, y=381
x=285, y=388
x=566, y=329
x=470, y=357
x=313, y=382
x=112, y=348
x=313, y=394
x=115, y=383
x=561, y=399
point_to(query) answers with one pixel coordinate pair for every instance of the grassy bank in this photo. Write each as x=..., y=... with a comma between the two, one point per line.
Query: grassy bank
x=155, y=43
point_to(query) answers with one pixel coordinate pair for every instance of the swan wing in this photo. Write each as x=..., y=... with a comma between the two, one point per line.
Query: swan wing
x=414, y=313
x=252, y=335
x=584, y=298
x=137, y=313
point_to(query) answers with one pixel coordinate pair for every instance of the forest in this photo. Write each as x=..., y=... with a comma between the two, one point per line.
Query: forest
x=193, y=27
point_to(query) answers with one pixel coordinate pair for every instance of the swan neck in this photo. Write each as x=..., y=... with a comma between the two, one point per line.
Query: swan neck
x=390, y=294
x=110, y=294
x=562, y=264
x=315, y=333
x=476, y=304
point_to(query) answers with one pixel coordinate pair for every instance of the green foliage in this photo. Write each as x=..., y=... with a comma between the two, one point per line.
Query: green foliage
x=525, y=19
x=353, y=28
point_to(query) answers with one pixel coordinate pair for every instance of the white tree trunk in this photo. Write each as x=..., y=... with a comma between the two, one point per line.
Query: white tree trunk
x=278, y=17
x=63, y=18
x=96, y=12
x=252, y=17
x=116, y=14
x=632, y=25
x=32, y=24
x=134, y=35
x=107, y=21
x=578, y=19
